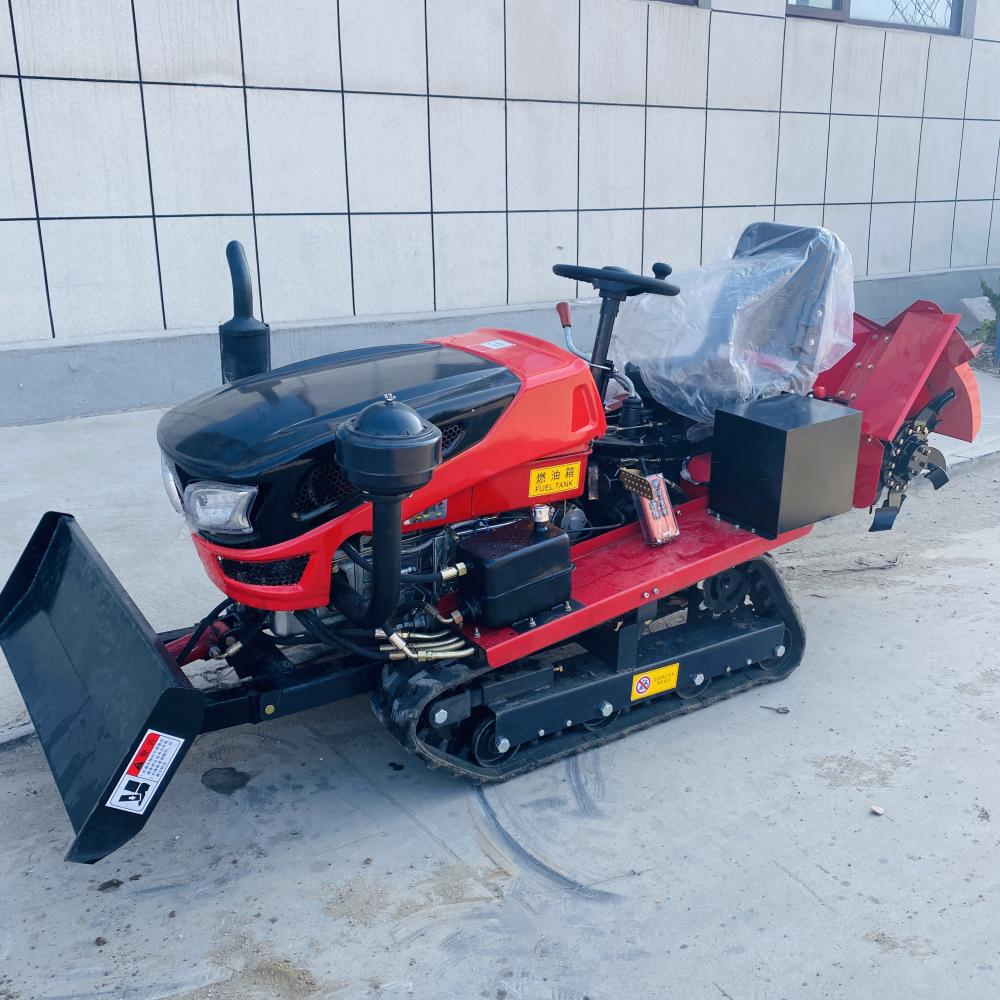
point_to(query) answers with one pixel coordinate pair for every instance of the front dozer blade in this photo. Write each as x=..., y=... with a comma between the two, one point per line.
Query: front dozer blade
x=113, y=711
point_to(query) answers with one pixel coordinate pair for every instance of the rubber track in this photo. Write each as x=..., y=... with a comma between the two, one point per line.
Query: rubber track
x=403, y=697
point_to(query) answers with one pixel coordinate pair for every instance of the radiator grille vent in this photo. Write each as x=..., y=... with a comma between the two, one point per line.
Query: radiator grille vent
x=324, y=484
x=277, y=573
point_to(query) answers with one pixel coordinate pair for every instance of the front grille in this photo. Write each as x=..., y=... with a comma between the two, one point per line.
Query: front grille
x=277, y=573
x=451, y=435
x=323, y=485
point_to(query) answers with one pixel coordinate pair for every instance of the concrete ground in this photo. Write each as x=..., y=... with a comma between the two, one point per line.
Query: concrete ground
x=731, y=854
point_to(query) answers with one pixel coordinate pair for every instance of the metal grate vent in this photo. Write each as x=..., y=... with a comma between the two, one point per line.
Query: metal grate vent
x=451, y=435
x=277, y=573
x=323, y=485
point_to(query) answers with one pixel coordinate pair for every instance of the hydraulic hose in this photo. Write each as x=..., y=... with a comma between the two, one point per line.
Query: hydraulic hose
x=359, y=560
x=387, y=540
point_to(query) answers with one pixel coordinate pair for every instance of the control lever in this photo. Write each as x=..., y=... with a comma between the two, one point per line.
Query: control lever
x=566, y=321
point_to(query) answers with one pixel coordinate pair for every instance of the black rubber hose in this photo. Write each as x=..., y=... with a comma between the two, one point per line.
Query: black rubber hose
x=324, y=634
x=359, y=560
x=387, y=540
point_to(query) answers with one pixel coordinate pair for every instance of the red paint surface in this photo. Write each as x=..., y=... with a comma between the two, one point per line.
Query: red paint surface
x=615, y=572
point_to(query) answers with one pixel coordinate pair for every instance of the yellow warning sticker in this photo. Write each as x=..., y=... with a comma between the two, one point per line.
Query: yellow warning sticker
x=651, y=682
x=554, y=479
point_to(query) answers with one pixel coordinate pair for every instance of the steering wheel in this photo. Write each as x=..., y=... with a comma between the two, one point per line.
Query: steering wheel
x=616, y=282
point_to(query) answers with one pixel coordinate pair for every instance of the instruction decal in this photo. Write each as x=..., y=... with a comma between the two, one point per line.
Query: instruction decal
x=650, y=682
x=554, y=479
x=146, y=770
x=497, y=344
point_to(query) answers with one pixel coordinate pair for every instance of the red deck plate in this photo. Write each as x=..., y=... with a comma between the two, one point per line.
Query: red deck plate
x=619, y=571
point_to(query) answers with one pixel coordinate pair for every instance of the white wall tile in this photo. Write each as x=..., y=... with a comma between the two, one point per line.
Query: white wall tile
x=988, y=19
x=396, y=246
x=744, y=68
x=802, y=158
x=972, y=233
x=675, y=155
x=678, y=55
x=467, y=154
x=305, y=266
x=741, y=152
x=387, y=164
x=993, y=252
x=189, y=41
x=977, y=172
x=850, y=223
x=465, y=47
x=613, y=51
x=983, y=99
x=382, y=45
x=896, y=159
x=889, y=246
x=722, y=228
x=542, y=51
x=904, y=70
x=102, y=276
x=774, y=8
x=799, y=215
x=937, y=174
x=297, y=150
x=197, y=149
x=88, y=148
x=947, y=72
x=16, y=198
x=537, y=241
x=24, y=314
x=541, y=156
x=857, y=69
x=8, y=61
x=808, y=71
x=81, y=38
x=296, y=46
x=610, y=238
x=851, y=159
x=196, y=286
x=611, y=149
x=470, y=260
x=932, y=226
x=672, y=235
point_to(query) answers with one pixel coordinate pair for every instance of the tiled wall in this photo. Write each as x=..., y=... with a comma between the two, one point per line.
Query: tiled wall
x=386, y=156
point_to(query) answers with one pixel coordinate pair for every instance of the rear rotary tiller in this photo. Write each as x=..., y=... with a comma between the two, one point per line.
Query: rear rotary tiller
x=515, y=559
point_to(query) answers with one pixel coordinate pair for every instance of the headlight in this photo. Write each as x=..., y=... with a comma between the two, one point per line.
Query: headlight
x=219, y=508
x=171, y=484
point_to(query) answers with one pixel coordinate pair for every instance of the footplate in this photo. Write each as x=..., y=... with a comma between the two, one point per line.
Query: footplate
x=114, y=713
x=582, y=702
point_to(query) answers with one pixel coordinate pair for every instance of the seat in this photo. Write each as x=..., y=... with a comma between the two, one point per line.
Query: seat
x=767, y=320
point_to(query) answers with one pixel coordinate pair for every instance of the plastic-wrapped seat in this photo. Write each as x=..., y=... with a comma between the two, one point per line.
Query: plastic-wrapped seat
x=767, y=320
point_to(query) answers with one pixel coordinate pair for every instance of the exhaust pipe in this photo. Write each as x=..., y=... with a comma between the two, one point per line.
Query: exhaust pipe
x=244, y=341
x=389, y=451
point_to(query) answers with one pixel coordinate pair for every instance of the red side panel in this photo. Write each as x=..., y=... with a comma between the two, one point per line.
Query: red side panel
x=619, y=571
x=549, y=424
x=892, y=372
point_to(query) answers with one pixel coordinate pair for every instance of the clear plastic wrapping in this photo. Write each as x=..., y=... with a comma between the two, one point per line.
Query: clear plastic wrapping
x=767, y=319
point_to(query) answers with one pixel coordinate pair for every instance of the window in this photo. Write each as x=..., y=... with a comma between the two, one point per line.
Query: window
x=930, y=15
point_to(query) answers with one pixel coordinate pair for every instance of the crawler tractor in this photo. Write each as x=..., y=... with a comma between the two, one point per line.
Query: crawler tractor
x=517, y=551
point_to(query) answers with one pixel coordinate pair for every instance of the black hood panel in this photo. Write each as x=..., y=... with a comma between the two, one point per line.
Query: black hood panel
x=240, y=432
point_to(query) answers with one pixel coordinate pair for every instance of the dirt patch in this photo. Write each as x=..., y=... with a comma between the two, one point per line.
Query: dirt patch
x=918, y=947
x=224, y=780
x=359, y=901
x=984, y=683
x=848, y=771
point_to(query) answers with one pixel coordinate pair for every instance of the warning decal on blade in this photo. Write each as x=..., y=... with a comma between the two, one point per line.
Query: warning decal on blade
x=147, y=768
x=554, y=479
x=651, y=682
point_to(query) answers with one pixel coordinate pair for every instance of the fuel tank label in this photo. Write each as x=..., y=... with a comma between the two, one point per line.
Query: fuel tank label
x=650, y=682
x=146, y=770
x=554, y=479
